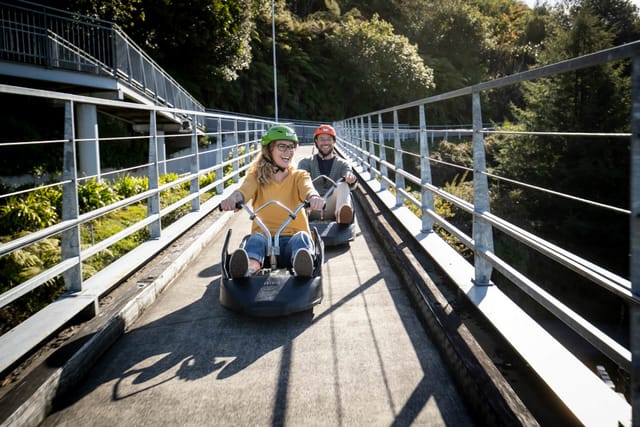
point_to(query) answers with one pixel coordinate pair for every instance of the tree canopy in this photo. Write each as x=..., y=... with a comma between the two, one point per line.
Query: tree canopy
x=345, y=57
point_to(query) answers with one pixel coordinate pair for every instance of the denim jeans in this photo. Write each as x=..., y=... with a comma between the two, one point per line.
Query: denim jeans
x=256, y=247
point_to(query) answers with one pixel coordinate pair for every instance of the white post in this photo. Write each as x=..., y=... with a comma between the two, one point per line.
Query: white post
x=88, y=145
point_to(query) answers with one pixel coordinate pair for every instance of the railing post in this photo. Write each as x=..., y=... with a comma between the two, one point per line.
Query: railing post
x=425, y=173
x=362, y=142
x=372, y=146
x=635, y=241
x=219, y=158
x=70, y=244
x=194, y=186
x=482, y=231
x=343, y=131
x=397, y=159
x=383, y=150
x=247, y=141
x=348, y=131
x=88, y=134
x=129, y=70
x=236, y=162
x=257, y=135
x=162, y=152
x=114, y=51
x=153, y=203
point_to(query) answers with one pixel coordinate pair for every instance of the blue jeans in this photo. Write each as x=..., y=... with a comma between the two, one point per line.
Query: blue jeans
x=256, y=247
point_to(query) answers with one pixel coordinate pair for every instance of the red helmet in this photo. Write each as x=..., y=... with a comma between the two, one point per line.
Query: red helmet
x=325, y=130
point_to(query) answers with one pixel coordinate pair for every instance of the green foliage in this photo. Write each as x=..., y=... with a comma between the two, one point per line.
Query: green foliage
x=458, y=153
x=21, y=265
x=168, y=177
x=107, y=226
x=593, y=99
x=95, y=194
x=228, y=169
x=461, y=188
x=383, y=64
x=128, y=186
x=207, y=179
x=616, y=17
x=38, y=209
x=216, y=33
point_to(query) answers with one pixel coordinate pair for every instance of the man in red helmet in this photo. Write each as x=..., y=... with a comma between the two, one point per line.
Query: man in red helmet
x=325, y=162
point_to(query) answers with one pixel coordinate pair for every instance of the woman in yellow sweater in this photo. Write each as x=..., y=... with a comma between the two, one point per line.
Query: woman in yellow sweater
x=273, y=177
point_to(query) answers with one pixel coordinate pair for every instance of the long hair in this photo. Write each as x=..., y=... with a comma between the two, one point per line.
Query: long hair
x=263, y=166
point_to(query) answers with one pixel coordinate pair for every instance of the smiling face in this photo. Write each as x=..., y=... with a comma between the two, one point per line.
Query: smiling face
x=325, y=144
x=282, y=152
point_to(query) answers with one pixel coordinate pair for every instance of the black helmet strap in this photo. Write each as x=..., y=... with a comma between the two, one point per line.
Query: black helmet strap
x=276, y=168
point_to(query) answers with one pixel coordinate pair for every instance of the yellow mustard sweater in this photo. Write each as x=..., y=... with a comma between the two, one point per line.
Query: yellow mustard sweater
x=293, y=190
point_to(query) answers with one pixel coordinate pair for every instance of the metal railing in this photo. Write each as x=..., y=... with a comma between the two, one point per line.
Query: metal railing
x=172, y=198
x=368, y=141
x=49, y=39
x=43, y=36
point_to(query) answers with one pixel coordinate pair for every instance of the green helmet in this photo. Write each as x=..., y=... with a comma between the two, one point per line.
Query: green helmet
x=279, y=132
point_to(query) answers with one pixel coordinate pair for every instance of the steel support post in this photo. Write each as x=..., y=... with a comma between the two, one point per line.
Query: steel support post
x=482, y=230
x=372, y=147
x=162, y=152
x=397, y=159
x=383, y=150
x=425, y=173
x=219, y=158
x=87, y=139
x=256, y=140
x=70, y=244
x=194, y=186
x=362, y=142
x=236, y=162
x=153, y=203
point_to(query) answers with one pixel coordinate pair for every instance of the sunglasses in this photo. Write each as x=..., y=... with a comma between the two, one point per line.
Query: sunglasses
x=285, y=147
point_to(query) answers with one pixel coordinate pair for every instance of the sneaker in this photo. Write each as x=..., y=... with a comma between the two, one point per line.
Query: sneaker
x=345, y=215
x=239, y=264
x=303, y=263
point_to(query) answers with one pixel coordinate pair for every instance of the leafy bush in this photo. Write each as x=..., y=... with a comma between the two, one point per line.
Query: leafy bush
x=207, y=179
x=128, y=186
x=168, y=177
x=95, y=194
x=229, y=168
x=38, y=209
x=42, y=208
x=21, y=265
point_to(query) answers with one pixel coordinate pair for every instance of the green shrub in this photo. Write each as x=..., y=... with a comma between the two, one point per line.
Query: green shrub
x=31, y=212
x=21, y=265
x=207, y=179
x=169, y=177
x=95, y=194
x=128, y=186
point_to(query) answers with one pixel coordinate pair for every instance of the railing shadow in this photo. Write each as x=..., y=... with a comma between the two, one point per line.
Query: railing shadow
x=188, y=344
